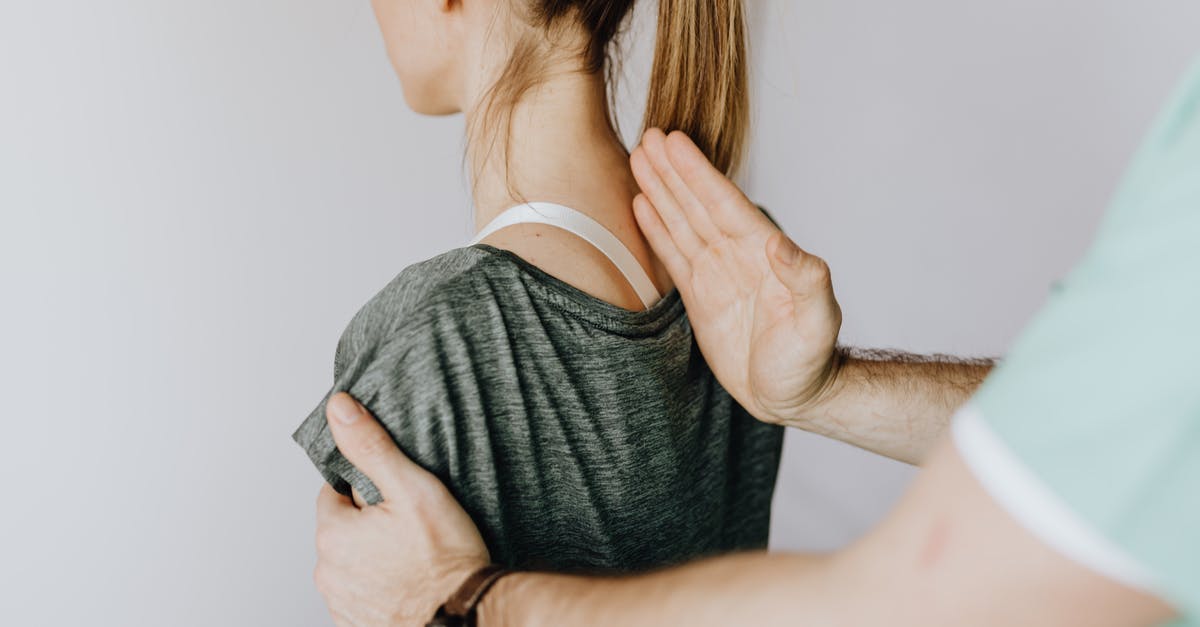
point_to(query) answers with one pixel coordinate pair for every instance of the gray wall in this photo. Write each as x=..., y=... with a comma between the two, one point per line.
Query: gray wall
x=195, y=198
x=950, y=160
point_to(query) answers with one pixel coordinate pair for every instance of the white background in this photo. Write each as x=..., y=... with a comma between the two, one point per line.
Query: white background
x=195, y=197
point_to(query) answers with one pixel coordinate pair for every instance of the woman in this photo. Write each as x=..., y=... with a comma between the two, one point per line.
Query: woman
x=538, y=371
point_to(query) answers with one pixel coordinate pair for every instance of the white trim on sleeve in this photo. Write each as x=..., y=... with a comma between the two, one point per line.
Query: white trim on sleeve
x=1027, y=498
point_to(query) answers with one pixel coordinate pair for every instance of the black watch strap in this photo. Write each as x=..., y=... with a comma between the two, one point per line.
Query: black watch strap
x=459, y=610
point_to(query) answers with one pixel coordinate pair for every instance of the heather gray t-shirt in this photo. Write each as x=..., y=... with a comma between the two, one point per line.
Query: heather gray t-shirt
x=578, y=435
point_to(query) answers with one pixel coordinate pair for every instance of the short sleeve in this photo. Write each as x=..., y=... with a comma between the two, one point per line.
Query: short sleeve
x=406, y=385
x=1097, y=407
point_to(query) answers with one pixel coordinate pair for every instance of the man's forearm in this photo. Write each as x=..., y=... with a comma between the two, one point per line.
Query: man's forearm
x=948, y=554
x=731, y=590
x=893, y=403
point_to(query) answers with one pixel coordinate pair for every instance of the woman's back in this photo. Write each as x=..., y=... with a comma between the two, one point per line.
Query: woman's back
x=578, y=435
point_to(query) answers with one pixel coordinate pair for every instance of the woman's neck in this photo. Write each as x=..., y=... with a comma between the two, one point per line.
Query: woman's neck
x=560, y=148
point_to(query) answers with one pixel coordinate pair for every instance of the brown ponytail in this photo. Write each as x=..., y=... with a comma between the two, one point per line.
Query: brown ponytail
x=699, y=81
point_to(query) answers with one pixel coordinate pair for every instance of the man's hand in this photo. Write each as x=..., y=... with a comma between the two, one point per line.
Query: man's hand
x=763, y=311
x=765, y=317
x=394, y=563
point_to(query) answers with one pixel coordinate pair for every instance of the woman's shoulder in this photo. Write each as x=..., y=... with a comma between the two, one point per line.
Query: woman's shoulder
x=450, y=287
x=426, y=283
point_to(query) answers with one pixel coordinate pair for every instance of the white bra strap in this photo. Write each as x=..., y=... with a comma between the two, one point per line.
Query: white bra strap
x=575, y=222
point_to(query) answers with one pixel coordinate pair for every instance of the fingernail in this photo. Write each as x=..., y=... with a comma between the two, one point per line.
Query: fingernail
x=344, y=409
x=788, y=252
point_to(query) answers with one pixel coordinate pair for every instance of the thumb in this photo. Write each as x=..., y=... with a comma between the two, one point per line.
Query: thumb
x=370, y=447
x=804, y=275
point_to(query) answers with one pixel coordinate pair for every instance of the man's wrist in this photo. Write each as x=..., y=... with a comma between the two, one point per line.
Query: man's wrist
x=534, y=600
x=814, y=403
x=494, y=609
x=461, y=608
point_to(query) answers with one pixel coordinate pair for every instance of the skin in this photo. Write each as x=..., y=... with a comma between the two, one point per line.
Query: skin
x=947, y=554
x=561, y=147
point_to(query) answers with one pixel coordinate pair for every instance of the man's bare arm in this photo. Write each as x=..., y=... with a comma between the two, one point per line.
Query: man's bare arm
x=755, y=588
x=948, y=555
x=889, y=402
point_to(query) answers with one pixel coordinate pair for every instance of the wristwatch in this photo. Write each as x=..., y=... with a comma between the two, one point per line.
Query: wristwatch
x=459, y=610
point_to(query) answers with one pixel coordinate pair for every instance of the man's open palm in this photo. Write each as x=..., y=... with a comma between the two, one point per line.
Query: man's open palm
x=762, y=310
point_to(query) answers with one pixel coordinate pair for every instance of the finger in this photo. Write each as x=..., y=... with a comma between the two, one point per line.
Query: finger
x=331, y=505
x=730, y=210
x=805, y=276
x=660, y=240
x=654, y=143
x=369, y=447
x=669, y=211
x=359, y=501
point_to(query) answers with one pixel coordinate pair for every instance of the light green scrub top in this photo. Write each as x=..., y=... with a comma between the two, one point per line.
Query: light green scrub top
x=1089, y=432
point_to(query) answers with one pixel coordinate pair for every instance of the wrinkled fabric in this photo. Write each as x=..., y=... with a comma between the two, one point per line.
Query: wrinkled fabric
x=578, y=435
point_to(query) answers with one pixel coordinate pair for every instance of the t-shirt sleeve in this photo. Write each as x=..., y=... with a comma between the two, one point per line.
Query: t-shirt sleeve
x=1089, y=432
x=405, y=381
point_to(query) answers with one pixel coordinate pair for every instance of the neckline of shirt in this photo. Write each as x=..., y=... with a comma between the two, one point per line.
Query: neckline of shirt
x=594, y=310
